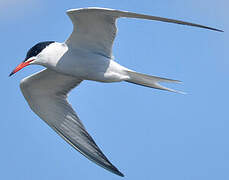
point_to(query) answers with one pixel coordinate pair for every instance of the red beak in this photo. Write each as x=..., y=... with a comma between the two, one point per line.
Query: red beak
x=20, y=66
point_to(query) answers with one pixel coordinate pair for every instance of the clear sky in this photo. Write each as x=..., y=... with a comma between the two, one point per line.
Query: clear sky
x=145, y=133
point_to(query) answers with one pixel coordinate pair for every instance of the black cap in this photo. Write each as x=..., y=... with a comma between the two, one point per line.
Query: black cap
x=35, y=50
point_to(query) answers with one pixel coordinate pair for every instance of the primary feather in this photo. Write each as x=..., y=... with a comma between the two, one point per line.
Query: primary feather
x=46, y=93
x=95, y=28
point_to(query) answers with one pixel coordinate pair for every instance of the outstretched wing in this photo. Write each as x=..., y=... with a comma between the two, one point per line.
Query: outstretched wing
x=95, y=28
x=46, y=93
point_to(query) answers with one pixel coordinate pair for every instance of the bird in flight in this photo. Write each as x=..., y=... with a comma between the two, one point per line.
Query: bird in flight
x=85, y=55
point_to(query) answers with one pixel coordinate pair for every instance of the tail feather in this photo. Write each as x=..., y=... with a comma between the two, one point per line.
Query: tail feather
x=151, y=81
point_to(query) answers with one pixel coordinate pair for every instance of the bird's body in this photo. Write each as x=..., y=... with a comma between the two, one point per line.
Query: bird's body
x=85, y=55
x=83, y=64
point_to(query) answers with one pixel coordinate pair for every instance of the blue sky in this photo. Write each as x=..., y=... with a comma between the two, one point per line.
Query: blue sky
x=146, y=133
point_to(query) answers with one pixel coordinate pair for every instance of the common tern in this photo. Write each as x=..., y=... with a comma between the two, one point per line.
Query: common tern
x=85, y=55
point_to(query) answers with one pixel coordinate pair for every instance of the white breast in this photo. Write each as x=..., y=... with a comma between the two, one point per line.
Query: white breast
x=91, y=66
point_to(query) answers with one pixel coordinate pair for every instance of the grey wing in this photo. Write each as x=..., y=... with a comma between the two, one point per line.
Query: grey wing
x=95, y=28
x=46, y=93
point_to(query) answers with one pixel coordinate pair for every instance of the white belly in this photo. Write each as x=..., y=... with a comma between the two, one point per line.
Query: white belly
x=90, y=66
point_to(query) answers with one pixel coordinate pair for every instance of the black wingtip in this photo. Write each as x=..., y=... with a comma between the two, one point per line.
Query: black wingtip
x=219, y=30
x=213, y=29
x=122, y=175
x=114, y=170
x=119, y=173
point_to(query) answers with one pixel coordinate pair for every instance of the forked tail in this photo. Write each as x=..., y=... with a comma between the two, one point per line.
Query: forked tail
x=150, y=81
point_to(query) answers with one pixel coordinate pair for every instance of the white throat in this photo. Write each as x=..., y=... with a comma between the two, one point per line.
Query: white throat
x=50, y=56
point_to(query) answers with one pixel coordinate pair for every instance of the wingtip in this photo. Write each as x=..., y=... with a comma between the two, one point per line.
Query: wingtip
x=219, y=30
x=115, y=170
x=120, y=174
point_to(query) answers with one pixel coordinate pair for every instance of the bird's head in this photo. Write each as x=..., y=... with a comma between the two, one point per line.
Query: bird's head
x=32, y=56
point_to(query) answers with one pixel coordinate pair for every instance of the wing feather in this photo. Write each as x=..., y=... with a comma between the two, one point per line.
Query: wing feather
x=95, y=28
x=46, y=93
